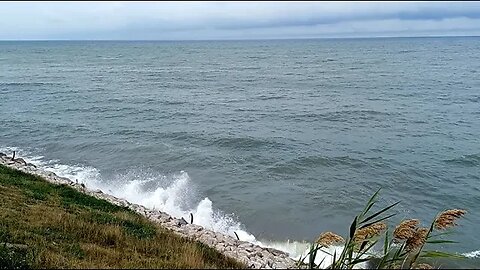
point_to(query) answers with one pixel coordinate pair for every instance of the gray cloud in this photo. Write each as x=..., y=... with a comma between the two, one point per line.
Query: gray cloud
x=238, y=20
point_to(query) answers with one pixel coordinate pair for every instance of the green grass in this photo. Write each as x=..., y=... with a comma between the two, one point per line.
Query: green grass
x=43, y=225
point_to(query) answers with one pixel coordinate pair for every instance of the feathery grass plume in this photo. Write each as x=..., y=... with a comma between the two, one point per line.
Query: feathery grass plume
x=368, y=232
x=417, y=240
x=423, y=266
x=327, y=239
x=447, y=218
x=406, y=229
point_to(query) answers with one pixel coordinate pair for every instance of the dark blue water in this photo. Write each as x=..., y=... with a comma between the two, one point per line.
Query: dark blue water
x=288, y=138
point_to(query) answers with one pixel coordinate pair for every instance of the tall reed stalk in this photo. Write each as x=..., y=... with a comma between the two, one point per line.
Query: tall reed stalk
x=402, y=248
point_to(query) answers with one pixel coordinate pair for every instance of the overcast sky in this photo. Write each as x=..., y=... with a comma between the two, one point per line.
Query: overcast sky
x=235, y=20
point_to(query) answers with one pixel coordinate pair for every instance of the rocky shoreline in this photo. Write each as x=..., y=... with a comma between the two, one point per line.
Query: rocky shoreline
x=253, y=256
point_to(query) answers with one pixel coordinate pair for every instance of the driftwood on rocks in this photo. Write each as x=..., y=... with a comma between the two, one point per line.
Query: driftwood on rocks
x=252, y=255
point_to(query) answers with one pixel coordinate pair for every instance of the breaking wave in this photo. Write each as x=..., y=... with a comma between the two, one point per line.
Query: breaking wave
x=174, y=194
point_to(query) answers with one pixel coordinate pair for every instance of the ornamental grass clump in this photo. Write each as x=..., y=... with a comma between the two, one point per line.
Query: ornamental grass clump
x=400, y=249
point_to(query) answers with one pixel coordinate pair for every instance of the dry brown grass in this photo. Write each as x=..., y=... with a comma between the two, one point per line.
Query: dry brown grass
x=63, y=229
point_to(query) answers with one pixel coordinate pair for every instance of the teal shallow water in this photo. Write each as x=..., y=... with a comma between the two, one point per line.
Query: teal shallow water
x=286, y=138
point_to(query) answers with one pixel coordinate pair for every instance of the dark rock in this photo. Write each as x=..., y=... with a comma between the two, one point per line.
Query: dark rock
x=181, y=222
x=275, y=252
x=373, y=263
x=21, y=161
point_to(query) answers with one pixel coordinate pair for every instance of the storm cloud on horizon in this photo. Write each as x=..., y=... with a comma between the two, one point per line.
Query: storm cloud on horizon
x=237, y=20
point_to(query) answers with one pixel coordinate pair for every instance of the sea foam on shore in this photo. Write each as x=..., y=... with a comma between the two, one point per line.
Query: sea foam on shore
x=252, y=254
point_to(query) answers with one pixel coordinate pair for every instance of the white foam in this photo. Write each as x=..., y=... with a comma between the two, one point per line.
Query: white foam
x=472, y=254
x=300, y=250
x=174, y=194
x=27, y=155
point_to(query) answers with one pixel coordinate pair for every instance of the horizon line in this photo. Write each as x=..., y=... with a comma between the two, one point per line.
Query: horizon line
x=246, y=39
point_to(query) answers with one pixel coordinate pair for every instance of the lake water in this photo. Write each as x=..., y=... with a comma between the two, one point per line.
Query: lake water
x=275, y=140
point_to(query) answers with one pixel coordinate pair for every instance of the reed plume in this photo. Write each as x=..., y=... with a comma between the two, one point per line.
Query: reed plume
x=369, y=232
x=327, y=239
x=406, y=229
x=447, y=218
x=417, y=240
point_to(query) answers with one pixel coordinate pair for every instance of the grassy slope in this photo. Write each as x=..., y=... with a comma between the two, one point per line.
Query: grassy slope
x=52, y=226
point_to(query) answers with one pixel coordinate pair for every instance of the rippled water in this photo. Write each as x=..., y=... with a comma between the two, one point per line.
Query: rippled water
x=282, y=139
